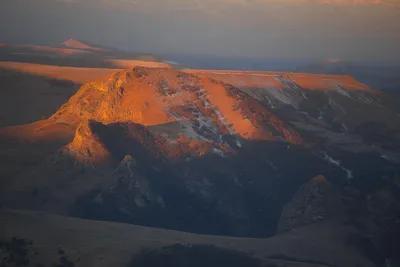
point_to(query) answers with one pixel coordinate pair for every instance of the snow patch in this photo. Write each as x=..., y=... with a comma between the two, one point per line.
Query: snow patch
x=171, y=62
x=384, y=156
x=338, y=164
x=238, y=143
x=334, y=104
x=186, y=126
x=269, y=102
x=254, y=93
x=188, y=131
x=349, y=174
x=331, y=160
x=341, y=91
x=365, y=99
x=321, y=114
x=281, y=96
x=290, y=84
x=222, y=120
x=272, y=165
x=218, y=152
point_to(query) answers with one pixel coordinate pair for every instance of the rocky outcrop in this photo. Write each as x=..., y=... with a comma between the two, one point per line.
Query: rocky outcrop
x=217, y=163
x=314, y=201
x=136, y=187
x=205, y=108
x=87, y=148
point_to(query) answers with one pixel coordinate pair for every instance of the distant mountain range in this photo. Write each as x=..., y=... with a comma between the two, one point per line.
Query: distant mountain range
x=70, y=53
x=383, y=76
x=78, y=45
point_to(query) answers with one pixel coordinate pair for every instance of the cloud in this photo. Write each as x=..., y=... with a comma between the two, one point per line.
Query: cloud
x=248, y=28
x=210, y=3
x=69, y=1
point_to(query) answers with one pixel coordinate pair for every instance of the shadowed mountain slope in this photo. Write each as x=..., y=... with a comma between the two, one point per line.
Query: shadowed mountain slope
x=170, y=149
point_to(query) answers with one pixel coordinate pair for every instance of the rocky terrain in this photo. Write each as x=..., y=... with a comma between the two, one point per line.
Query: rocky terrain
x=379, y=76
x=37, y=80
x=221, y=153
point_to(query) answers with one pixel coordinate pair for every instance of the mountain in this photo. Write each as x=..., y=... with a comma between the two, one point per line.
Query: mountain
x=108, y=52
x=74, y=53
x=187, y=122
x=354, y=127
x=333, y=66
x=203, y=107
x=376, y=75
x=319, y=106
x=217, y=152
x=314, y=201
x=75, y=44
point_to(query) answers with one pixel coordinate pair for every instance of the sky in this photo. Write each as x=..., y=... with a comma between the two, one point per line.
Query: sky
x=345, y=29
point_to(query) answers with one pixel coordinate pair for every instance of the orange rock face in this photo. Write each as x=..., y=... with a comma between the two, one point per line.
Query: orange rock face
x=273, y=80
x=75, y=74
x=319, y=179
x=163, y=96
x=87, y=146
x=192, y=116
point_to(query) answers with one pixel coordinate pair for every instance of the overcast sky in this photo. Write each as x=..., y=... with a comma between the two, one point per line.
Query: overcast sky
x=352, y=29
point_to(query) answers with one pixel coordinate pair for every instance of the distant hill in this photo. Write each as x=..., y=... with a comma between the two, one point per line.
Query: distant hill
x=75, y=44
x=71, y=53
x=380, y=76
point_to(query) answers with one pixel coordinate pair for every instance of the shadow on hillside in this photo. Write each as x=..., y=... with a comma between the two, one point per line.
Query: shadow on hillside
x=26, y=97
x=194, y=256
x=242, y=194
x=85, y=61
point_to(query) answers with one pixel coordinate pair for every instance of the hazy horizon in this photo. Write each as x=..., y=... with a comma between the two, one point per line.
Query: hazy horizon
x=351, y=30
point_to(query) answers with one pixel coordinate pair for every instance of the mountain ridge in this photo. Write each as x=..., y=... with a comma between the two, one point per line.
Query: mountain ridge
x=158, y=96
x=79, y=45
x=213, y=152
x=75, y=53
